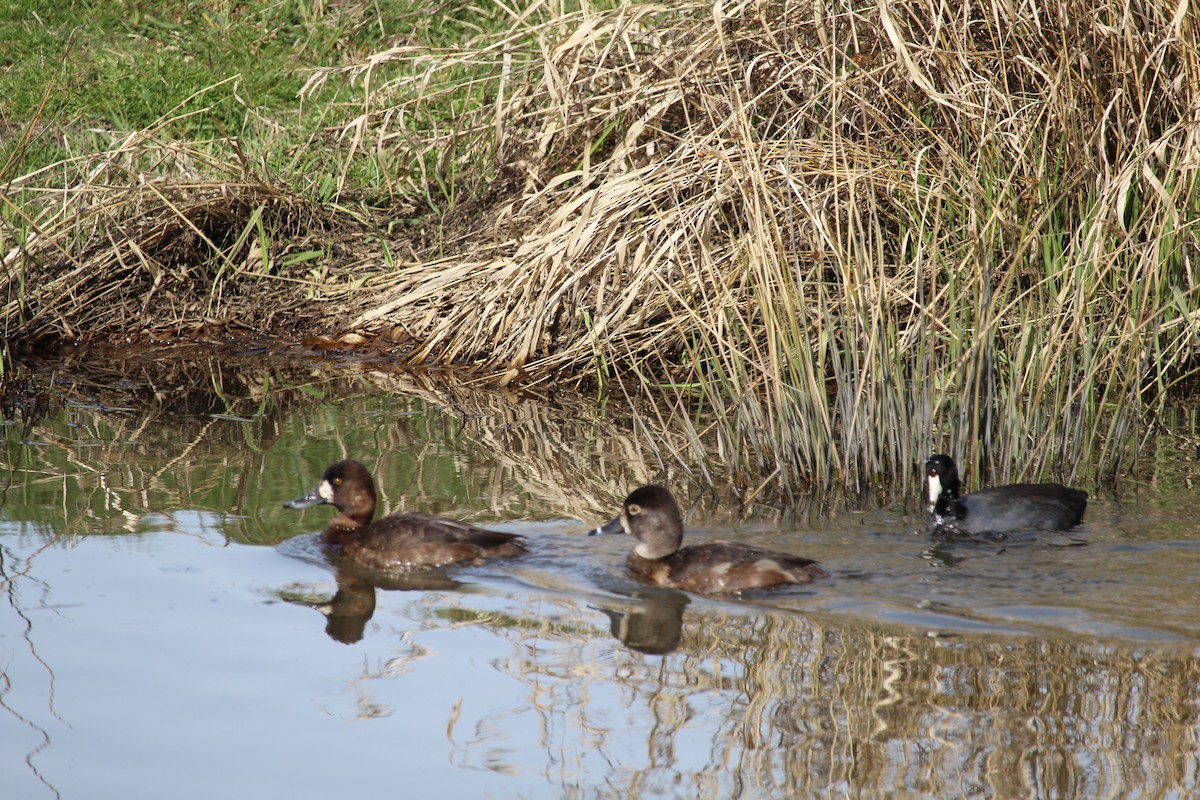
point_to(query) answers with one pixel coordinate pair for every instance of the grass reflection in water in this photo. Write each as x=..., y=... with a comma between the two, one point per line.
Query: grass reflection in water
x=135, y=540
x=759, y=703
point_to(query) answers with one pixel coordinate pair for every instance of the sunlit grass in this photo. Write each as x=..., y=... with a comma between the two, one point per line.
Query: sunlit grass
x=835, y=242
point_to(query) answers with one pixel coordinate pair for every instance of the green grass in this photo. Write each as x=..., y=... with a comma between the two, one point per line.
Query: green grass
x=123, y=67
x=126, y=64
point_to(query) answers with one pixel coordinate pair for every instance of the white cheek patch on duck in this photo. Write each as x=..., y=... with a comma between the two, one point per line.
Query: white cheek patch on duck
x=935, y=488
x=326, y=491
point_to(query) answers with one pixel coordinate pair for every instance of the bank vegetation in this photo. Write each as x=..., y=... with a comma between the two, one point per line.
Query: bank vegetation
x=828, y=237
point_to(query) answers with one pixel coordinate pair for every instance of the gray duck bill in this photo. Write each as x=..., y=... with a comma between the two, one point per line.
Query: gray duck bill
x=612, y=526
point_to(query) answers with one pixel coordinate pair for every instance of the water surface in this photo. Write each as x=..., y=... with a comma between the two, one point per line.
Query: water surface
x=169, y=629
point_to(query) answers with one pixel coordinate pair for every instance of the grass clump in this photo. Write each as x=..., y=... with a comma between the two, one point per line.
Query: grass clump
x=851, y=236
x=836, y=238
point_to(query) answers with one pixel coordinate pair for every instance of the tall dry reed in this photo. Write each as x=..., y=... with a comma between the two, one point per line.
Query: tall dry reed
x=851, y=234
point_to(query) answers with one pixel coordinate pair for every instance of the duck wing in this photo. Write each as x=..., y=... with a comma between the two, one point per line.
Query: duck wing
x=413, y=529
x=724, y=567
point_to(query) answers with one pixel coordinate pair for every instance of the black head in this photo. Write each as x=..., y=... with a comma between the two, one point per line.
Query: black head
x=942, y=475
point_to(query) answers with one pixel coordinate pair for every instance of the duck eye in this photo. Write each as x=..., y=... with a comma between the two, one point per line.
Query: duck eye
x=337, y=481
x=634, y=508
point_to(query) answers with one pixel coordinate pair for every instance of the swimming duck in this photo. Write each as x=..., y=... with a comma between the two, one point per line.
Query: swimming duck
x=1000, y=510
x=651, y=515
x=400, y=540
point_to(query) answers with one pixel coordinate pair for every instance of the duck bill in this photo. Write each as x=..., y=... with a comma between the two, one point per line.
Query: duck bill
x=935, y=489
x=313, y=498
x=612, y=526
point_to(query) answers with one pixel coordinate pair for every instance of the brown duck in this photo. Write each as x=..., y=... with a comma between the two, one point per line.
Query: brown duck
x=401, y=540
x=651, y=515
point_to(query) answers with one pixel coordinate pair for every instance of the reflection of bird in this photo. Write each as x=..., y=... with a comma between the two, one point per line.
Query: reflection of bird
x=398, y=540
x=348, y=613
x=651, y=515
x=653, y=625
x=999, y=510
x=352, y=606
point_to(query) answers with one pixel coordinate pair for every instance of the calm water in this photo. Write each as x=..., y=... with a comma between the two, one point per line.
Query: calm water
x=167, y=629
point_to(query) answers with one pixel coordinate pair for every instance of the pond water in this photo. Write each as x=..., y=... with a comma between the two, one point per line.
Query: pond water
x=168, y=629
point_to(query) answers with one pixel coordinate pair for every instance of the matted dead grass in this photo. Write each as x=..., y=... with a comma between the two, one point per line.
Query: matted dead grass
x=161, y=257
x=850, y=234
x=667, y=153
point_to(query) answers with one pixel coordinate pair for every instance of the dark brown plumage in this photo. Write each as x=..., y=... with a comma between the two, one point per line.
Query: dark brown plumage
x=401, y=540
x=651, y=515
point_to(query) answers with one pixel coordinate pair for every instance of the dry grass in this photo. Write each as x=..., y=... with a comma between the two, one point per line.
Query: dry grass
x=130, y=250
x=842, y=236
x=850, y=235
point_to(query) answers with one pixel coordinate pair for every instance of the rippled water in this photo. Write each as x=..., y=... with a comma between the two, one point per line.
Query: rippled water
x=168, y=629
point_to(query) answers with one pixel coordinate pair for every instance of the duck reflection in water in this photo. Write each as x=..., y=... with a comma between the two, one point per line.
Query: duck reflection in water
x=651, y=623
x=352, y=606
